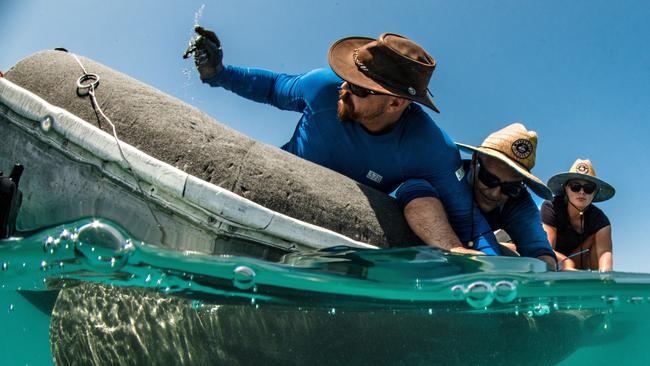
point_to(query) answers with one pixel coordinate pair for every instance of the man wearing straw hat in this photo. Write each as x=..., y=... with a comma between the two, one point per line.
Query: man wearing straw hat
x=579, y=231
x=364, y=118
x=499, y=173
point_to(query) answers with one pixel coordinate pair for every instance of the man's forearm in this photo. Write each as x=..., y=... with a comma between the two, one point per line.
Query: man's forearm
x=427, y=218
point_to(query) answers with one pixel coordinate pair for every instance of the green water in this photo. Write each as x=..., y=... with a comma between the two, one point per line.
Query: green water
x=412, y=306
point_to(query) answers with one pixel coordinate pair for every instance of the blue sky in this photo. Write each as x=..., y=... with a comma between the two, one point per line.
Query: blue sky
x=577, y=72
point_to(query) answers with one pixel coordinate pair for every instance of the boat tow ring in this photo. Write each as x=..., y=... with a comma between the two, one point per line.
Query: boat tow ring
x=86, y=82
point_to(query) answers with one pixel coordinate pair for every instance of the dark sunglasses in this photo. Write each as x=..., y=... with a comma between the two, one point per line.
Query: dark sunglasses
x=589, y=188
x=359, y=91
x=510, y=189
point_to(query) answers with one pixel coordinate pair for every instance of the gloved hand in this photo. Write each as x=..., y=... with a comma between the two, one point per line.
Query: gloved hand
x=208, y=56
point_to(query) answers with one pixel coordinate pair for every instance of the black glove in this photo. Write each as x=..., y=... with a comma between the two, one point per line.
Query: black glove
x=208, y=56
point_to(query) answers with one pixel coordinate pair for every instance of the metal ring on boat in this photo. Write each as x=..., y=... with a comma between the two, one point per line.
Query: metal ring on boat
x=83, y=89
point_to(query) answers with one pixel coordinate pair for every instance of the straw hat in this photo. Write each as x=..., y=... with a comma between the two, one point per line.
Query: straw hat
x=515, y=146
x=391, y=64
x=584, y=170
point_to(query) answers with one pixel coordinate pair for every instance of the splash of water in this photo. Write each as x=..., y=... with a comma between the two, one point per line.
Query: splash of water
x=199, y=14
x=188, y=73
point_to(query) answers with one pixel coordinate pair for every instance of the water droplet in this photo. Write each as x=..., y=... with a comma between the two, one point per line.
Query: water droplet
x=167, y=289
x=5, y=266
x=244, y=277
x=24, y=264
x=148, y=279
x=480, y=294
x=46, y=123
x=332, y=311
x=11, y=307
x=252, y=301
x=505, y=291
x=43, y=266
x=61, y=265
x=430, y=311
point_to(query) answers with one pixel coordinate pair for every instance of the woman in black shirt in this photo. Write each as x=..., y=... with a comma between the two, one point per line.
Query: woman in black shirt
x=580, y=232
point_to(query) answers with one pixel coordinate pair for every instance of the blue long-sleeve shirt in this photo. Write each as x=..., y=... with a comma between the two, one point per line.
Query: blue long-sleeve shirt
x=416, y=153
x=520, y=218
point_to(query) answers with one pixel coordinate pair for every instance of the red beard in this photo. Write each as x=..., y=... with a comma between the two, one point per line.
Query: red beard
x=345, y=109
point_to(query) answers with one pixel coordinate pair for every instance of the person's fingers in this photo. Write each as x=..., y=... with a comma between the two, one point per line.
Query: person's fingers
x=208, y=34
x=463, y=250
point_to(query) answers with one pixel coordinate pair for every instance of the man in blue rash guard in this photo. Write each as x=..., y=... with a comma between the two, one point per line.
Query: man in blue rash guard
x=498, y=174
x=359, y=120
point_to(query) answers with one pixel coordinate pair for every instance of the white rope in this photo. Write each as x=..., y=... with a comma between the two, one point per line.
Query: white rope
x=96, y=107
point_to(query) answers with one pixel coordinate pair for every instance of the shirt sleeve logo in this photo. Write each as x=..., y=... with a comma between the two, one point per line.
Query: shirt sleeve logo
x=460, y=173
x=374, y=176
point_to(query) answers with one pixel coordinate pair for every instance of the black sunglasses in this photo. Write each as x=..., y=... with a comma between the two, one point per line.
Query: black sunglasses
x=359, y=91
x=510, y=189
x=589, y=188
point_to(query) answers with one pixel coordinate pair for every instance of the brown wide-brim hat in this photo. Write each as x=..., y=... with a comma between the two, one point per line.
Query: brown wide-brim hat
x=515, y=146
x=583, y=170
x=391, y=64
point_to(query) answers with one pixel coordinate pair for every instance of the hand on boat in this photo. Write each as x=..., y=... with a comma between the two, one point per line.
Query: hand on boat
x=208, y=56
x=463, y=250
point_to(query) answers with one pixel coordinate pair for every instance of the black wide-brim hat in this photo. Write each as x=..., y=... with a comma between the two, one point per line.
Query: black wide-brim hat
x=390, y=64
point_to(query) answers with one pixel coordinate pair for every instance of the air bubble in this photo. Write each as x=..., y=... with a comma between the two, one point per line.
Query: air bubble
x=479, y=294
x=505, y=291
x=5, y=266
x=541, y=309
x=611, y=300
x=635, y=300
x=458, y=292
x=244, y=278
x=50, y=245
x=102, y=247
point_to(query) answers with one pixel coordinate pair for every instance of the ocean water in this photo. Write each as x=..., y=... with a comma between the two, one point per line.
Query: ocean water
x=87, y=293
